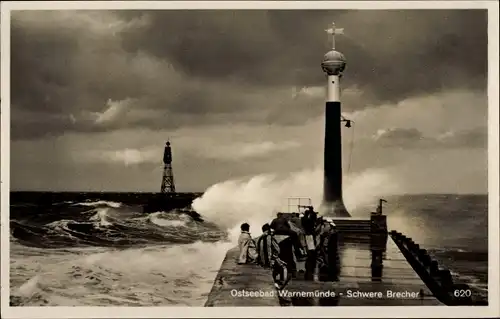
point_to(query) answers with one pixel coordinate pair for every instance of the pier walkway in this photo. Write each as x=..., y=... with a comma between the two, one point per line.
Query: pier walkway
x=397, y=277
x=355, y=277
x=233, y=278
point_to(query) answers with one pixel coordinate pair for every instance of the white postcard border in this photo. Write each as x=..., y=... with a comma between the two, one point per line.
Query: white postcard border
x=493, y=310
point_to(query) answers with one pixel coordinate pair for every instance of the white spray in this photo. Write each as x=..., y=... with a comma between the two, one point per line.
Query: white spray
x=257, y=200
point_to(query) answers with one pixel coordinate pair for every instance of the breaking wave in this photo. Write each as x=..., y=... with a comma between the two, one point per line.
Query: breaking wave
x=100, y=203
x=256, y=200
x=110, y=253
x=111, y=224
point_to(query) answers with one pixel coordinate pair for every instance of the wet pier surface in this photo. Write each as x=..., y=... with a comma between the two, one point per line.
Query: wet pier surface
x=395, y=284
x=233, y=280
x=357, y=284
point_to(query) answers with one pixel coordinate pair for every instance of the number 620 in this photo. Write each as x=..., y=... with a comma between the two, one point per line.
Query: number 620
x=459, y=293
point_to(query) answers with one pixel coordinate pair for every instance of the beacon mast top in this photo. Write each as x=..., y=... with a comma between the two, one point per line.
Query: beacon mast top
x=334, y=62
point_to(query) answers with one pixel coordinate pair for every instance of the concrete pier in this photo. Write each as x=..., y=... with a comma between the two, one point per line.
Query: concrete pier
x=233, y=278
x=380, y=285
x=396, y=276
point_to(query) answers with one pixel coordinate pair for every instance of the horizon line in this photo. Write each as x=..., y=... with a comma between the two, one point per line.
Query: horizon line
x=188, y=192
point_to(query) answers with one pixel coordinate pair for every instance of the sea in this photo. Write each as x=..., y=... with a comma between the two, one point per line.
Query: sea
x=90, y=251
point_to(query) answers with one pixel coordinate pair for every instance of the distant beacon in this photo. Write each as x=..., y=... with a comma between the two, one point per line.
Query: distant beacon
x=167, y=181
x=167, y=154
x=333, y=65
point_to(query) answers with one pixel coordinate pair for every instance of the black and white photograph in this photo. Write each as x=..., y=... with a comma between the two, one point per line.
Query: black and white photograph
x=289, y=156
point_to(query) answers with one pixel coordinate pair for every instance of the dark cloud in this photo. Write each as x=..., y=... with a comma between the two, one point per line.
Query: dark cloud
x=284, y=47
x=413, y=138
x=184, y=68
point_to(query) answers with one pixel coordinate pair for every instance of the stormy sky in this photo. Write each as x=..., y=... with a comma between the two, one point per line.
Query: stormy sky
x=95, y=95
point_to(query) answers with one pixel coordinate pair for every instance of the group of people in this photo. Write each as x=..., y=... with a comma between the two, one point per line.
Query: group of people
x=282, y=244
x=265, y=251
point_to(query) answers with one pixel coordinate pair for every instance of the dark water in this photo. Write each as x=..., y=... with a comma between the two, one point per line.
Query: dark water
x=95, y=252
x=453, y=228
x=89, y=251
x=97, y=222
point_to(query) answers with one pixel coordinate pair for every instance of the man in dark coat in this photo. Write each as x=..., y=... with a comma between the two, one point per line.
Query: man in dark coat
x=288, y=241
x=309, y=221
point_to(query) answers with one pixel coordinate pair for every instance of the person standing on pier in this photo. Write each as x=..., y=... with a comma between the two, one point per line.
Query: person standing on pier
x=281, y=226
x=268, y=256
x=268, y=248
x=288, y=241
x=308, y=222
x=327, y=249
x=248, y=250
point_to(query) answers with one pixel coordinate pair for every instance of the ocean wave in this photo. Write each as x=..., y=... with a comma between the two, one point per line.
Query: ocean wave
x=107, y=225
x=478, y=284
x=168, y=220
x=100, y=203
x=101, y=217
x=466, y=266
x=108, y=254
x=459, y=254
x=148, y=276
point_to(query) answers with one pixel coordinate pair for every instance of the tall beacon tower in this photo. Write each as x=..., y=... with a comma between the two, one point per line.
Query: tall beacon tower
x=333, y=65
x=167, y=183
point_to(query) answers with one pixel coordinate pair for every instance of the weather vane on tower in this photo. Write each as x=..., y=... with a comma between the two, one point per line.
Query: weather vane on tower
x=333, y=31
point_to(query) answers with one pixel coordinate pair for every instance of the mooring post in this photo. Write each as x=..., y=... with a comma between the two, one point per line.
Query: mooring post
x=377, y=264
x=378, y=219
